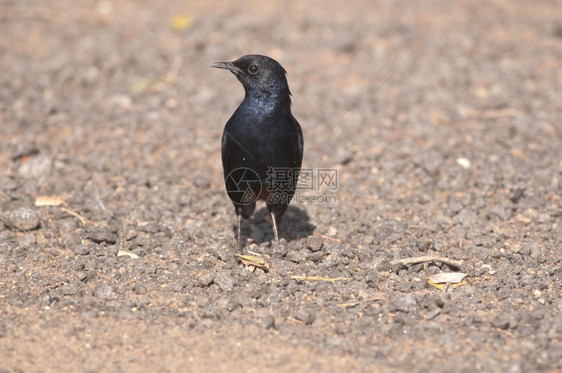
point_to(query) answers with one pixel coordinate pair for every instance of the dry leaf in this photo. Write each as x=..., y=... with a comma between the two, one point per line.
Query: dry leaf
x=127, y=253
x=443, y=280
x=252, y=262
x=452, y=277
x=50, y=200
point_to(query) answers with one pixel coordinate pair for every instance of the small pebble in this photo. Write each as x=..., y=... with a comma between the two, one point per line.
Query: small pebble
x=315, y=243
x=223, y=253
x=224, y=281
x=307, y=317
x=463, y=162
x=205, y=278
x=28, y=240
x=131, y=234
x=296, y=256
x=81, y=250
x=140, y=289
x=22, y=220
x=268, y=322
x=104, y=291
x=403, y=303
x=433, y=314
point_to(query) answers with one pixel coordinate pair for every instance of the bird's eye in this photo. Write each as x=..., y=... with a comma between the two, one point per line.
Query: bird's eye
x=253, y=69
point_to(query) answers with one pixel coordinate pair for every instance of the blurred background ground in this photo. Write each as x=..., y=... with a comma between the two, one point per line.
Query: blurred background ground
x=442, y=121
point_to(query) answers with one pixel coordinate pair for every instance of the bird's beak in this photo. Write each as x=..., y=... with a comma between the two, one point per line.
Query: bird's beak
x=223, y=65
x=228, y=66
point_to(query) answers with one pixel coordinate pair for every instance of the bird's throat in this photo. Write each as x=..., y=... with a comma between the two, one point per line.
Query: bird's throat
x=267, y=103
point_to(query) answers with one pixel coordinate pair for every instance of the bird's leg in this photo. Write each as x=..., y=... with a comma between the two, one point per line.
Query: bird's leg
x=275, y=229
x=239, y=231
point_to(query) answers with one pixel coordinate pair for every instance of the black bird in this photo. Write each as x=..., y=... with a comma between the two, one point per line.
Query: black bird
x=262, y=143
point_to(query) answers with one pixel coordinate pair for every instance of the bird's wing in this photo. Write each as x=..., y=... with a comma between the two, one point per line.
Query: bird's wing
x=298, y=151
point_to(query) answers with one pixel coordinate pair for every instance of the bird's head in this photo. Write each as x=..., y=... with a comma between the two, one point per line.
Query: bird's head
x=258, y=74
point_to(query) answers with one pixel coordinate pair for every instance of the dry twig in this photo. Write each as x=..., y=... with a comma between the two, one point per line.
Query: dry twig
x=315, y=278
x=427, y=258
x=83, y=219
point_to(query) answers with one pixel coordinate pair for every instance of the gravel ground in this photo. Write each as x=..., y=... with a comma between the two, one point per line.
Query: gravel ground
x=441, y=120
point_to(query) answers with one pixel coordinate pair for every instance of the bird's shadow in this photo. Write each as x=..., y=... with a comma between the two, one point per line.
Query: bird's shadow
x=295, y=224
